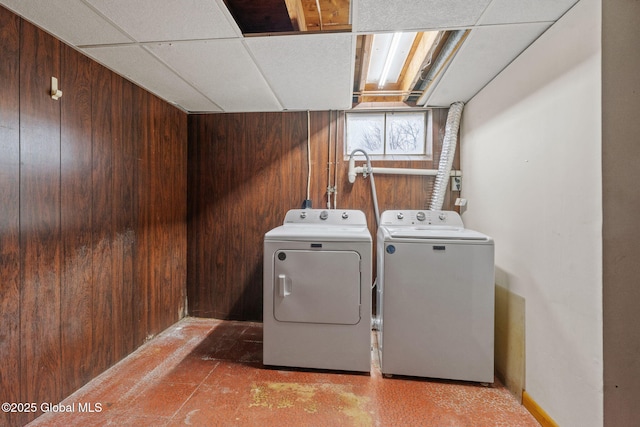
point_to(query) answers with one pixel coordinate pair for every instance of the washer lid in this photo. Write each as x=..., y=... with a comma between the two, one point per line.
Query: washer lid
x=435, y=233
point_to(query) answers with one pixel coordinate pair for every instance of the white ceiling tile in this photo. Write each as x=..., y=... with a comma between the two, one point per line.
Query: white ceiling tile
x=298, y=72
x=515, y=11
x=223, y=70
x=70, y=20
x=139, y=66
x=486, y=52
x=163, y=20
x=307, y=72
x=404, y=15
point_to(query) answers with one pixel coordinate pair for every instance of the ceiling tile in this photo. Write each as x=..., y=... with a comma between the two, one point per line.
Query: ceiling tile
x=515, y=11
x=309, y=71
x=162, y=20
x=222, y=70
x=297, y=72
x=403, y=15
x=139, y=66
x=70, y=20
x=486, y=52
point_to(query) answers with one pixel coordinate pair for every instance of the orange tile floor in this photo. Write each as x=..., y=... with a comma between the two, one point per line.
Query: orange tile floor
x=203, y=372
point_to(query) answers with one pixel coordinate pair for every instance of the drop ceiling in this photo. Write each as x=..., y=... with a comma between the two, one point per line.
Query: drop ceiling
x=193, y=54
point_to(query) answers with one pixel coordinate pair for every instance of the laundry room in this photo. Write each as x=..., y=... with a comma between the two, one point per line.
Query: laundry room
x=151, y=175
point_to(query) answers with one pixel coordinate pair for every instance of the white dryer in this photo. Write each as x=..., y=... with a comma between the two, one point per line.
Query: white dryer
x=435, y=297
x=317, y=291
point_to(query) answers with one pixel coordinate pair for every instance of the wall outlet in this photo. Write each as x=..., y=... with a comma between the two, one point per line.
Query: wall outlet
x=456, y=183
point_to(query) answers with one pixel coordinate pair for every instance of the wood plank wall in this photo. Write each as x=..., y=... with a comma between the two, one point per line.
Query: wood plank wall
x=246, y=171
x=9, y=214
x=92, y=217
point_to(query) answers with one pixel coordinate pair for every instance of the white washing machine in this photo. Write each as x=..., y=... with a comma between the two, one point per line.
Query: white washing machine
x=435, y=297
x=317, y=291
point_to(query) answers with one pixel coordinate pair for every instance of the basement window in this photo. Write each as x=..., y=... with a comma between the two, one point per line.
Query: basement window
x=389, y=135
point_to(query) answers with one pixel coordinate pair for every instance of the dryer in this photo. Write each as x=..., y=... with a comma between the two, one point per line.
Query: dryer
x=435, y=297
x=317, y=291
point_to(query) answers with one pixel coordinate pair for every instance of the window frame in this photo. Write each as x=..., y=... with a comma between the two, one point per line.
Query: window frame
x=427, y=155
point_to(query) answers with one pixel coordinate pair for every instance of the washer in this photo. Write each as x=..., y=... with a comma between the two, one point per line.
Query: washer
x=317, y=291
x=435, y=297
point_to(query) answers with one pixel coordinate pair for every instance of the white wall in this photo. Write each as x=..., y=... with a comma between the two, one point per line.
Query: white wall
x=531, y=159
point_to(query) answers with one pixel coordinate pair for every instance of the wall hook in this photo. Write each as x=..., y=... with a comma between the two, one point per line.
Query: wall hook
x=55, y=92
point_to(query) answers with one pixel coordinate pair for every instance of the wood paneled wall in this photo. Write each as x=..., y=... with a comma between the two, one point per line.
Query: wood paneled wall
x=247, y=170
x=92, y=217
x=9, y=213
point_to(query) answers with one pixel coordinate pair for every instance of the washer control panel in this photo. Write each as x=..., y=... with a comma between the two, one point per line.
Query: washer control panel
x=421, y=217
x=326, y=216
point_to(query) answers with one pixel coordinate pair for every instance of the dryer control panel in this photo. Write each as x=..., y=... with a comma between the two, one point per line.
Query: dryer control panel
x=421, y=217
x=326, y=216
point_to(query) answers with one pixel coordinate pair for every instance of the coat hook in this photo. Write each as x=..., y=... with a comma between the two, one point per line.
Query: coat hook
x=55, y=92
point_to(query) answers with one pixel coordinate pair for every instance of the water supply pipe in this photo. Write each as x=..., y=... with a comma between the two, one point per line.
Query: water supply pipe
x=335, y=164
x=398, y=171
x=329, y=188
x=369, y=171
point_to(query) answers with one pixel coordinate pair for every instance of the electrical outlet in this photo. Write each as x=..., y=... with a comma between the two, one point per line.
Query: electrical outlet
x=456, y=183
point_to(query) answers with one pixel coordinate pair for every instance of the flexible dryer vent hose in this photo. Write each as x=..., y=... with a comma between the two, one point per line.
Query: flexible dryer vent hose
x=447, y=155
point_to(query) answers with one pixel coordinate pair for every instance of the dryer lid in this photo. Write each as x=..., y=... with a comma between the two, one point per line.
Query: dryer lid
x=324, y=233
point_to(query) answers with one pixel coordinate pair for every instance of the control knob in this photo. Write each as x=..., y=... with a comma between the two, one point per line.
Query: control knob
x=421, y=216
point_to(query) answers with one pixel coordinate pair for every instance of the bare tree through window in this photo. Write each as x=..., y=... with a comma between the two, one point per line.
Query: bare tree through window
x=380, y=133
x=405, y=133
x=372, y=138
x=366, y=131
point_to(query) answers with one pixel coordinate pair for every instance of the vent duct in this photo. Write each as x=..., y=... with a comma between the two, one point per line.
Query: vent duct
x=446, y=157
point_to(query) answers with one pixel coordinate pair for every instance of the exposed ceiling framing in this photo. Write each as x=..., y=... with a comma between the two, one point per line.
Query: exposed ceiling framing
x=426, y=47
x=320, y=15
x=290, y=16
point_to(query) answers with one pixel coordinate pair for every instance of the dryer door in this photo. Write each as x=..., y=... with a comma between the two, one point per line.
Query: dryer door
x=317, y=286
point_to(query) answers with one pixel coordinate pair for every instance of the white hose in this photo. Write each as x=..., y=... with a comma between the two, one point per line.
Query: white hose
x=446, y=157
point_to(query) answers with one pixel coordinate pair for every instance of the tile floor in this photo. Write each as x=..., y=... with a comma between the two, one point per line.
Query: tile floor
x=203, y=372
